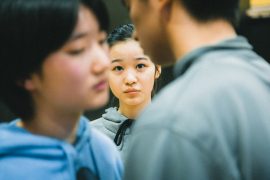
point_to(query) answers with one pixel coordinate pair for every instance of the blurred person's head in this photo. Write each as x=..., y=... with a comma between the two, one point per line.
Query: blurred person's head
x=52, y=55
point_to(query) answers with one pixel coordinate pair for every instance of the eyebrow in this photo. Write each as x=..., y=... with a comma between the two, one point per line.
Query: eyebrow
x=138, y=58
x=116, y=60
x=141, y=58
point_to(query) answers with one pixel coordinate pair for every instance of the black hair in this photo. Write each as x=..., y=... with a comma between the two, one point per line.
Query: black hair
x=207, y=10
x=100, y=11
x=122, y=33
x=30, y=31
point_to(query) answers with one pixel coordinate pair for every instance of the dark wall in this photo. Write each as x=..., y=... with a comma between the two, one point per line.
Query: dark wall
x=118, y=13
x=257, y=31
x=5, y=114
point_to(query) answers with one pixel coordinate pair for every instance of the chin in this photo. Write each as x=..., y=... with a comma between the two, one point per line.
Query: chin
x=98, y=101
x=161, y=54
x=134, y=102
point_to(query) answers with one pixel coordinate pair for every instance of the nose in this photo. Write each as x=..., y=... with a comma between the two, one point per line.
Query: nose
x=102, y=61
x=130, y=77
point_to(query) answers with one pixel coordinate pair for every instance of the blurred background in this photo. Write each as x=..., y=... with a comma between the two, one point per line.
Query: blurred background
x=254, y=24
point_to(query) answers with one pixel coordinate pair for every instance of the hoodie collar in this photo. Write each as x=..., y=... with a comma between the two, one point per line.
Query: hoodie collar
x=183, y=64
x=82, y=134
x=112, y=119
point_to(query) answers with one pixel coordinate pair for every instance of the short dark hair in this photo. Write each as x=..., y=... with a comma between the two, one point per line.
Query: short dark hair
x=121, y=33
x=206, y=10
x=124, y=33
x=30, y=31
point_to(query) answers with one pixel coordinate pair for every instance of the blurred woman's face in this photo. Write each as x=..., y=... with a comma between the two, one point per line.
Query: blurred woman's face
x=132, y=73
x=74, y=78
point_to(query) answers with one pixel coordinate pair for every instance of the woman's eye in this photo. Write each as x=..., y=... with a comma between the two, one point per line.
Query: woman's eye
x=118, y=68
x=140, y=66
x=76, y=51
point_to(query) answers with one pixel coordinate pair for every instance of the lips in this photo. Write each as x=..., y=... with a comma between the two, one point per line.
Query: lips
x=101, y=85
x=131, y=91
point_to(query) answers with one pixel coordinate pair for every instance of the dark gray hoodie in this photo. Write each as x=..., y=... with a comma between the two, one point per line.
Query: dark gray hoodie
x=109, y=124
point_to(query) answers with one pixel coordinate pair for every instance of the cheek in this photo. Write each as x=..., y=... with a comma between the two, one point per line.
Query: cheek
x=115, y=85
x=75, y=72
x=149, y=80
x=69, y=73
x=150, y=84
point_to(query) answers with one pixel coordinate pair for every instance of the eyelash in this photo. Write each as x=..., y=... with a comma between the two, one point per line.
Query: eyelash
x=117, y=68
x=75, y=52
x=120, y=68
x=140, y=65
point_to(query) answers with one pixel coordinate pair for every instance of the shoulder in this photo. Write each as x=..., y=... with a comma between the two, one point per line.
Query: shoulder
x=103, y=143
x=209, y=90
x=213, y=77
x=9, y=132
x=107, y=156
x=97, y=123
x=196, y=95
x=5, y=132
x=98, y=136
x=102, y=126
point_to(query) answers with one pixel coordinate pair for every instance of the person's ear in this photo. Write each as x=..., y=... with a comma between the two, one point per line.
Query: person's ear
x=28, y=83
x=158, y=71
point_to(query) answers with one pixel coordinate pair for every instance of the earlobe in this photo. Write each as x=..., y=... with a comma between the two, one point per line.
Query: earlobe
x=27, y=84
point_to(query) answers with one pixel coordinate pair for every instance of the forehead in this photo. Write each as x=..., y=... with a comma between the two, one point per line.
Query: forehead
x=87, y=21
x=125, y=47
x=127, y=51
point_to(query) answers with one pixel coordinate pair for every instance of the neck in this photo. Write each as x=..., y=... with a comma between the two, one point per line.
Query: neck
x=57, y=125
x=187, y=34
x=132, y=111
